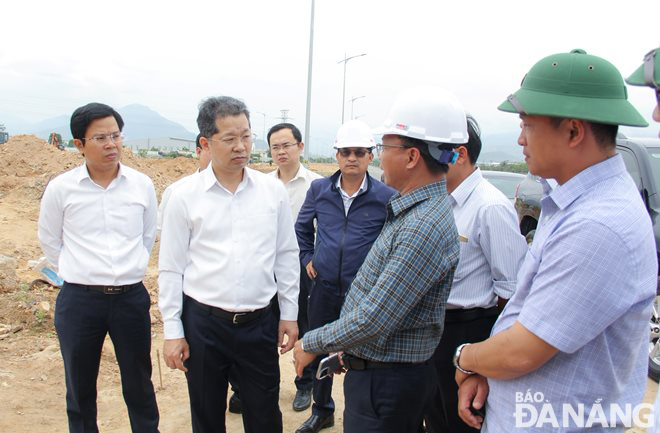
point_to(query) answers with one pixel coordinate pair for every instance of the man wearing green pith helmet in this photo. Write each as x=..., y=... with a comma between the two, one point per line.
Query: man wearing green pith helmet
x=569, y=349
x=648, y=74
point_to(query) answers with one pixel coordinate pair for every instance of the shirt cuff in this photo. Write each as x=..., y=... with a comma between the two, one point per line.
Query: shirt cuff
x=312, y=341
x=173, y=329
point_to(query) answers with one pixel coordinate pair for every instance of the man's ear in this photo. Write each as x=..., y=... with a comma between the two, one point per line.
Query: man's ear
x=463, y=157
x=204, y=142
x=414, y=157
x=79, y=145
x=576, y=131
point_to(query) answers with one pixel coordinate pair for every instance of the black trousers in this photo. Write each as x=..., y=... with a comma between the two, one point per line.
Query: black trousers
x=441, y=412
x=83, y=317
x=325, y=302
x=250, y=350
x=388, y=400
x=306, y=381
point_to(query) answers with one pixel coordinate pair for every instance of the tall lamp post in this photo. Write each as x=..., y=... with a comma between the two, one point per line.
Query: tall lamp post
x=309, y=84
x=352, y=101
x=343, y=98
x=264, y=136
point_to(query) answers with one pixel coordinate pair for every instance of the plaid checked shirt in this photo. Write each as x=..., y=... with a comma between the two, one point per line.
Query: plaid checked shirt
x=394, y=310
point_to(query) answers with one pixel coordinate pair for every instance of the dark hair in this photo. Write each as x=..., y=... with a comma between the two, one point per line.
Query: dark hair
x=473, y=145
x=294, y=130
x=210, y=109
x=432, y=164
x=197, y=143
x=605, y=134
x=83, y=116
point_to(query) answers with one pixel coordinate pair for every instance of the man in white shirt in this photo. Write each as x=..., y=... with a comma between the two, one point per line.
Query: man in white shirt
x=227, y=247
x=286, y=147
x=203, y=158
x=492, y=250
x=97, y=225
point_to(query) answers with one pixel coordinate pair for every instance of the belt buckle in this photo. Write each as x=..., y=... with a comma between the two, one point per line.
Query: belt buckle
x=234, y=320
x=111, y=290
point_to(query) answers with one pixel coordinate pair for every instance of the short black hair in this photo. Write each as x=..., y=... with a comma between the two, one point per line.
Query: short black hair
x=604, y=133
x=210, y=109
x=432, y=164
x=83, y=116
x=473, y=145
x=294, y=130
x=197, y=143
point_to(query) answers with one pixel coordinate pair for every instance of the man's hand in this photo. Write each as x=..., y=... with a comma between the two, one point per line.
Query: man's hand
x=311, y=272
x=290, y=329
x=472, y=392
x=301, y=359
x=460, y=377
x=175, y=352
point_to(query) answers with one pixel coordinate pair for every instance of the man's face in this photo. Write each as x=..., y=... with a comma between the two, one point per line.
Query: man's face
x=230, y=147
x=540, y=141
x=354, y=161
x=285, y=149
x=102, y=152
x=393, y=159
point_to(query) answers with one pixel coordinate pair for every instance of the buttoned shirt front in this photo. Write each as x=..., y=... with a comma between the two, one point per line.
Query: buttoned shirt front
x=348, y=198
x=585, y=287
x=225, y=249
x=492, y=247
x=394, y=310
x=96, y=235
x=297, y=187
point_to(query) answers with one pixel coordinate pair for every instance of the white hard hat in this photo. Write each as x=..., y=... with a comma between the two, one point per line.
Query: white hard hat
x=354, y=133
x=429, y=114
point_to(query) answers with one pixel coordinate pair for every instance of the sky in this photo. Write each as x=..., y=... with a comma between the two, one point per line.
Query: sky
x=58, y=55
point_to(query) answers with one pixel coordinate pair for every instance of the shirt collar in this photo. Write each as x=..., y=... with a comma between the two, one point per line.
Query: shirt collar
x=83, y=173
x=399, y=203
x=363, y=186
x=564, y=195
x=465, y=188
x=300, y=174
x=209, y=179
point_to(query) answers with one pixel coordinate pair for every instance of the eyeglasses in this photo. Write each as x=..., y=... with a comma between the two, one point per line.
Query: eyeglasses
x=103, y=139
x=359, y=152
x=381, y=147
x=233, y=140
x=285, y=146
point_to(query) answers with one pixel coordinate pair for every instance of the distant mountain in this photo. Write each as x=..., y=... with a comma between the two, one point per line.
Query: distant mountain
x=140, y=121
x=500, y=147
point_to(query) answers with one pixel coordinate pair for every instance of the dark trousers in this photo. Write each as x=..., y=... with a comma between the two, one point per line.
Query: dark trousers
x=387, y=400
x=250, y=350
x=83, y=317
x=306, y=381
x=441, y=412
x=325, y=301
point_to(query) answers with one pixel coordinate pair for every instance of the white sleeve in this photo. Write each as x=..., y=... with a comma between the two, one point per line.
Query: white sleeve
x=287, y=264
x=149, y=218
x=51, y=219
x=161, y=207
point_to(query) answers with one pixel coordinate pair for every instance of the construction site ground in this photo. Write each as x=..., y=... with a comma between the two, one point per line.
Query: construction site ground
x=32, y=390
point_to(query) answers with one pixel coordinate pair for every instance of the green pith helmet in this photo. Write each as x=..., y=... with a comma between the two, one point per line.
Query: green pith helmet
x=575, y=85
x=649, y=73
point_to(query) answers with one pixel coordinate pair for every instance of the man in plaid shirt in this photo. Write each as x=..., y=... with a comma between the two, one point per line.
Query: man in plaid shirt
x=393, y=315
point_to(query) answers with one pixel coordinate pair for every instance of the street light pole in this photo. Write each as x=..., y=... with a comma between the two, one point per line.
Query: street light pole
x=264, y=136
x=309, y=84
x=343, y=97
x=352, y=101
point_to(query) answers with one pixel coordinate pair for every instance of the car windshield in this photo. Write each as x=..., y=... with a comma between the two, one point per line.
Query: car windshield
x=654, y=160
x=505, y=184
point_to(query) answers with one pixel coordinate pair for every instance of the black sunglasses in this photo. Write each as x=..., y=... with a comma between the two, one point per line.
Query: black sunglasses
x=359, y=152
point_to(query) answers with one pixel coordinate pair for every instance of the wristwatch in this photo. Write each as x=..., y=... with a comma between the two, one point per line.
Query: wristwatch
x=457, y=357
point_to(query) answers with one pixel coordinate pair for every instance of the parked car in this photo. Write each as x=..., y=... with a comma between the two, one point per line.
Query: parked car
x=504, y=181
x=642, y=159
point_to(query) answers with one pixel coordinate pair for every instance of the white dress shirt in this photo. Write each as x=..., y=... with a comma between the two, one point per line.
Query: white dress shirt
x=96, y=235
x=492, y=248
x=348, y=199
x=166, y=197
x=225, y=250
x=297, y=187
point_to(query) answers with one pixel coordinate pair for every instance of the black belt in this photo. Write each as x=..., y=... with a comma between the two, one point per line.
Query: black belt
x=108, y=290
x=462, y=315
x=231, y=316
x=354, y=363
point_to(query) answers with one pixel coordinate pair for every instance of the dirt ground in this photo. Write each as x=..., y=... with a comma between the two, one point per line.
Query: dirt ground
x=32, y=386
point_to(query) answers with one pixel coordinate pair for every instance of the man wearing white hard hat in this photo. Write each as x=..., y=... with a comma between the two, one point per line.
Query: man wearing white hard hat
x=349, y=210
x=393, y=316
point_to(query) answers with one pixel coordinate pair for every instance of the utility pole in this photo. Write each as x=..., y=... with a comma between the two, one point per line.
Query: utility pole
x=284, y=116
x=352, y=101
x=343, y=97
x=308, y=108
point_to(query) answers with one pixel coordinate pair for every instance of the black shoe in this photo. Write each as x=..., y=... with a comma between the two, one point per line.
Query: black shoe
x=303, y=400
x=315, y=423
x=235, y=404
